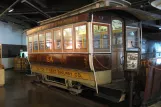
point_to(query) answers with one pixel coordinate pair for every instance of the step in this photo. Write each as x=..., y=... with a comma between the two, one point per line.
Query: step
x=116, y=84
x=114, y=92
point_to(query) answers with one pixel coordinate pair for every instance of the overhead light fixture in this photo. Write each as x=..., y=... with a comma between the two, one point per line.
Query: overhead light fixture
x=156, y=4
x=160, y=28
x=11, y=10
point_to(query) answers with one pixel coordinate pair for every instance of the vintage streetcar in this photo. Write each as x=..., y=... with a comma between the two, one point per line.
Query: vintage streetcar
x=100, y=47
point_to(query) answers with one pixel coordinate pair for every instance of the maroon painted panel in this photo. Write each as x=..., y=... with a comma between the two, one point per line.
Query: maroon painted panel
x=102, y=62
x=74, y=61
x=102, y=17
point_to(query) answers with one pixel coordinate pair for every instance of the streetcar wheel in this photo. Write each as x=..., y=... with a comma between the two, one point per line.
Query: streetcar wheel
x=39, y=78
x=73, y=93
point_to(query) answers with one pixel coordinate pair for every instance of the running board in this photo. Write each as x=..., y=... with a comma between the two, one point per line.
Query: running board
x=78, y=91
x=114, y=92
x=113, y=97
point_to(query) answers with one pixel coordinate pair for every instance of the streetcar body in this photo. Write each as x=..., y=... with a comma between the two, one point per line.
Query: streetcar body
x=88, y=49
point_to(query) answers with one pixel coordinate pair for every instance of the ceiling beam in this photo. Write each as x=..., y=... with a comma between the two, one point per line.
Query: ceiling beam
x=16, y=21
x=9, y=8
x=40, y=3
x=34, y=12
x=36, y=8
x=1, y=6
x=29, y=19
x=149, y=24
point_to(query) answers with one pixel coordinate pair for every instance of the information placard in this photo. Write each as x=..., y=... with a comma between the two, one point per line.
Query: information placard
x=132, y=60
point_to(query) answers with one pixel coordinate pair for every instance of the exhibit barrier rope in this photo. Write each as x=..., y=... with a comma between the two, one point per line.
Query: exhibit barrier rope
x=103, y=65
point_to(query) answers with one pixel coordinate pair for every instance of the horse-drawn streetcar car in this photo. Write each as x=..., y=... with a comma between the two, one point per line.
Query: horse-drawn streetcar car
x=96, y=48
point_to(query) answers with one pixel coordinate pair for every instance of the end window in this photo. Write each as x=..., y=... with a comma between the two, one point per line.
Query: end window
x=101, y=37
x=117, y=33
x=132, y=38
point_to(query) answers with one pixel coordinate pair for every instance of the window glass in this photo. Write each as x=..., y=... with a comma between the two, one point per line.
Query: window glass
x=67, y=33
x=101, y=37
x=57, y=38
x=117, y=33
x=35, y=42
x=81, y=37
x=48, y=41
x=41, y=41
x=132, y=38
x=30, y=44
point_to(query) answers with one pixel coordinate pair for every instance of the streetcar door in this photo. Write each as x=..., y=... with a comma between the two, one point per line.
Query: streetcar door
x=117, y=49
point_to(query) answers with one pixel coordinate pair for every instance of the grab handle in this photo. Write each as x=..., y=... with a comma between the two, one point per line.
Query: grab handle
x=121, y=60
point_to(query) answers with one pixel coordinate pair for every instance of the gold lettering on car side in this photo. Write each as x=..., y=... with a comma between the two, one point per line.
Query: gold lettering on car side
x=61, y=72
x=49, y=59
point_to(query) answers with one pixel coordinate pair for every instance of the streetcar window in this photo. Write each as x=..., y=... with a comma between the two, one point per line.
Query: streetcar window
x=67, y=34
x=41, y=41
x=48, y=41
x=30, y=44
x=117, y=33
x=132, y=38
x=35, y=42
x=57, y=38
x=101, y=37
x=80, y=32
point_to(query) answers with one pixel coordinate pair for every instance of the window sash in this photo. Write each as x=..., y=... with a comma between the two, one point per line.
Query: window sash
x=81, y=39
x=57, y=39
x=41, y=41
x=68, y=38
x=101, y=39
x=48, y=40
x=30, y=44
x=35, y=43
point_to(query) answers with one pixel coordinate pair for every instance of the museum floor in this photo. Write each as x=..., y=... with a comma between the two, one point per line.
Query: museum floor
x=19, y=91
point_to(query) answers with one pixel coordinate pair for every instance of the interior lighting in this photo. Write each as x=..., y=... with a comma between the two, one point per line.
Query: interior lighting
x=132, y=33
x=11, y=10
x=156, y=4
x=158, y=61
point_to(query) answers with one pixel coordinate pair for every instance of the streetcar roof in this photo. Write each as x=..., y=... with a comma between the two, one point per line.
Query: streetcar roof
x=139, y=14
x=122, y=11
